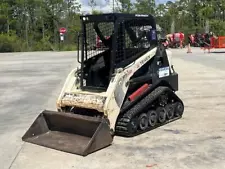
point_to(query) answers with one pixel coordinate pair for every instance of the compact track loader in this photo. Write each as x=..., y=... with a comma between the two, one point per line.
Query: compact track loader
x=126, y=88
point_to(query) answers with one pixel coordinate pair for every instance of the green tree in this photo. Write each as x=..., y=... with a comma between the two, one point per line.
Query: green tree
x=145, y=6
x=125, y=6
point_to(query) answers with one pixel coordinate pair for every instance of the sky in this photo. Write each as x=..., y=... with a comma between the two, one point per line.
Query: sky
x=104, y=5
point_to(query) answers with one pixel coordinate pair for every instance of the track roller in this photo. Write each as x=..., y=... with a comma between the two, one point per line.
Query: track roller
x=143, y=121
x=170, y=111
x=161, y=114
x=152, y=118
x=179, y=109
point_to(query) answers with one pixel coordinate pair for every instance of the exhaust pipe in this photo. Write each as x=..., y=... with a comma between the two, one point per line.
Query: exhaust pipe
x=72, y=133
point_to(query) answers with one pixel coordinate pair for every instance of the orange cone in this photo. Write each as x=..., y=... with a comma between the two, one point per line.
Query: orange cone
x=189, y=48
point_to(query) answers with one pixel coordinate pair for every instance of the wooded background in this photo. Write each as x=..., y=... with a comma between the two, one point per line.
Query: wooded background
x=32, y=25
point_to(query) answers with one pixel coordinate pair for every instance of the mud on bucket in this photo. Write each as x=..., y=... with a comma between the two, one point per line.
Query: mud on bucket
x=70, y=133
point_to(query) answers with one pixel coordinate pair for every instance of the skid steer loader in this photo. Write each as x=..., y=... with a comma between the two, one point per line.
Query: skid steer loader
x=125, y=89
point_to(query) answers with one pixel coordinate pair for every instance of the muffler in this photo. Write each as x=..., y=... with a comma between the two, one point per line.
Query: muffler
x=72, y=133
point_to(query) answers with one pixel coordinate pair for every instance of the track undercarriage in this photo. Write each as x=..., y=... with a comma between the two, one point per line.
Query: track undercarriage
x=159, y=107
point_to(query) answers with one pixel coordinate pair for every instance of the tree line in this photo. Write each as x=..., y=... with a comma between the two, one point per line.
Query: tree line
x=33, y=25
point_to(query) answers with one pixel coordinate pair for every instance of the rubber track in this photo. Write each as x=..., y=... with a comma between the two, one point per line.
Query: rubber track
x=123, y=122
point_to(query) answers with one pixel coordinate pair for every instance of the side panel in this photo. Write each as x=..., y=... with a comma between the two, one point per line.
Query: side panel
x=172, y=80
x=118, y=87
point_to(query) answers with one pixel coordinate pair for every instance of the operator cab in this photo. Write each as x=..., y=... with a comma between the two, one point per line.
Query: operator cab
x=123, y=38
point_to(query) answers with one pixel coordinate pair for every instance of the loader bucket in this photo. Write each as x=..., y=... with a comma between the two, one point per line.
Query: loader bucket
x=69, y=132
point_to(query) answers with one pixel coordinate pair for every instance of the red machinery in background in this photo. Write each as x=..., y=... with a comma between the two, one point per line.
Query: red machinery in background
x=217, y=42
x=214, y=42
x=197, y=40
x=176, y=40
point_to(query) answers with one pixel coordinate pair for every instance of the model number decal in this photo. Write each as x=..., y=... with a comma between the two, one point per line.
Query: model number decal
x=142, y=62
x=164, y=71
